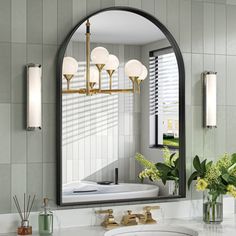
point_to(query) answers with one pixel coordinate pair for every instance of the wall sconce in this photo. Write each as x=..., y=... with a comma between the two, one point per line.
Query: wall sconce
x=209, y=101
x=34, y=96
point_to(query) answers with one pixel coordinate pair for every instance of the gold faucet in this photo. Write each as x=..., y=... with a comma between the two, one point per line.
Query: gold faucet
x=131, y=219
x=109, y=220
x=148, y=215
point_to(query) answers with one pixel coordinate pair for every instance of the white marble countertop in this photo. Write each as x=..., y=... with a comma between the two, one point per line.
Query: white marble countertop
x=226, y=228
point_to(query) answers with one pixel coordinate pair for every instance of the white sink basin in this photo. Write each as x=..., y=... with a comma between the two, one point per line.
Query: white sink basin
x=151, y=230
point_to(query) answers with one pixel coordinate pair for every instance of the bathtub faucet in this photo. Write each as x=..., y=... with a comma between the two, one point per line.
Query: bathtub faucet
x=116, y=175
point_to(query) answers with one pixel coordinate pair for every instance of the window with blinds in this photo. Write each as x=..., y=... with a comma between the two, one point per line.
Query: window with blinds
x=164, y=98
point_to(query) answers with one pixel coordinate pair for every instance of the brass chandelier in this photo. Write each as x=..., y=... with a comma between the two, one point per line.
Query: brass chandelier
x=102, y=60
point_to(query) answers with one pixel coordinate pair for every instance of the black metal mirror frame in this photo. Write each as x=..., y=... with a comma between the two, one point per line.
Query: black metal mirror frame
x=60, y=56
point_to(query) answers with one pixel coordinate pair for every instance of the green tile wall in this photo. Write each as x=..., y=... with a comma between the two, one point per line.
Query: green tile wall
x=32, y=30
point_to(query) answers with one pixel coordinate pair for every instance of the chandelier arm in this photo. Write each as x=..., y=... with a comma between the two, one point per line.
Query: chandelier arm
x=94, y=91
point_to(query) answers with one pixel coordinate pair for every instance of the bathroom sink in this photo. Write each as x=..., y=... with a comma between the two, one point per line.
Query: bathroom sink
x=151, y=230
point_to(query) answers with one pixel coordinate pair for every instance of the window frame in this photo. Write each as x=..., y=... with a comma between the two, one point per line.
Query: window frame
x=156, y=145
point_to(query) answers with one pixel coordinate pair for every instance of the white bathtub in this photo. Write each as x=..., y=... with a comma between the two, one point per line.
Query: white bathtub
x=91, y=191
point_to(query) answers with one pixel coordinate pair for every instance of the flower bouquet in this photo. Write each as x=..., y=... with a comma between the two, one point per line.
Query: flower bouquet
x=215, y=179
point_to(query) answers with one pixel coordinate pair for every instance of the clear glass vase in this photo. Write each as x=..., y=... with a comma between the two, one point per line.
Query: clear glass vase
x=212, y=207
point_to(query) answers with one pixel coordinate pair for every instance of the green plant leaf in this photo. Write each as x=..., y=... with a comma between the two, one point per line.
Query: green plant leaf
x=209, y=164
x=232, y=179
x=203, y=166
x=233, y=159
x=163, y=167
x=171, y=157
x=197, y=163
x=193, y=176
x=225, y=177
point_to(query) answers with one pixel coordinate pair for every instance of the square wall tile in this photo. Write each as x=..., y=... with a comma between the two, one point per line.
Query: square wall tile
x=5, y=133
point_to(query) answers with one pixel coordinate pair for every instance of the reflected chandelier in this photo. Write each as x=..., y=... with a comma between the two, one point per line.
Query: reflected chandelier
x=100, y=56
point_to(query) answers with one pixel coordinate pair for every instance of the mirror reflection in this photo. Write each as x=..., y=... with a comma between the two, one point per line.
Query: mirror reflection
x=119, y=93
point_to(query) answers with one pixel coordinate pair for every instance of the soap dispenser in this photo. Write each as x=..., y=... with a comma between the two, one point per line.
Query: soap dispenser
x=45, y=219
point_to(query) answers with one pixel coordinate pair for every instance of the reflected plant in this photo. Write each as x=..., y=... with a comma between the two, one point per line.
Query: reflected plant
x=166, y=170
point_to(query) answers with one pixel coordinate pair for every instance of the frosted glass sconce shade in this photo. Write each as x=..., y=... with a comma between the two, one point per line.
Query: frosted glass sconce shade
x=112, y=63
x=133, y=68
x=144, y=73
x=99, y=56
x=70, y=66
x=209, y=88
x=34, y=96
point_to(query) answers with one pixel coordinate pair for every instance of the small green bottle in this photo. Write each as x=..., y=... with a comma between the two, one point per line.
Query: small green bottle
x=45, y=219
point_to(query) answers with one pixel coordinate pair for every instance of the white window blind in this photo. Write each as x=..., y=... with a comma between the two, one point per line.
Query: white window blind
x=164, y=83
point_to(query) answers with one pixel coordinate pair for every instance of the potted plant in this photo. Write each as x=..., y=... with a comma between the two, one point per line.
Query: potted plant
x=215, y=179
x=168, y=170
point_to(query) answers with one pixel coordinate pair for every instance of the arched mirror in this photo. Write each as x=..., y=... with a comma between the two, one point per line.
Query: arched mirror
x=121, y=121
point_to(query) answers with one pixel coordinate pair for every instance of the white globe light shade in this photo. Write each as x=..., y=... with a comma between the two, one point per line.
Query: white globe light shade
x=112, y=63
x=94, y=75
x=99, y=55
x=70, y=66
x=133, y=68
x=143, y=74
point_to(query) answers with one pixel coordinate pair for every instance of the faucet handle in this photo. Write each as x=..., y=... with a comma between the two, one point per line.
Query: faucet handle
x=149, y=208
x=148, y=214
x=109, y=220
x=107, y=211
